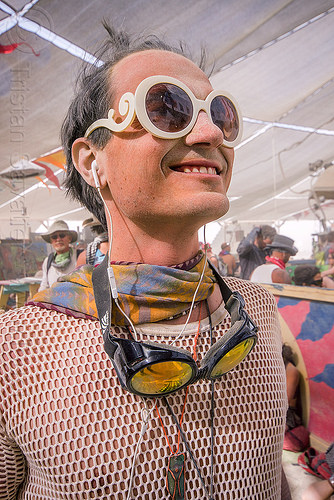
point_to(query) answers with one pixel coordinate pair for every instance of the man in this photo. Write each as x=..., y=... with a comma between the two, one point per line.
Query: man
x=96, y=249
x=227, y=261
x=69, y=427
x=251, y=249
x=273, y=271
x=63, y=258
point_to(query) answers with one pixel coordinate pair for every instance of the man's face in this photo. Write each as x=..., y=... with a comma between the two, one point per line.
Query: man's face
x=259, y=241
x=60, y=241
x=282, y=254
x=158, y=181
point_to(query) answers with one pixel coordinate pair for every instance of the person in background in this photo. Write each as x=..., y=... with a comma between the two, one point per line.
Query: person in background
x=273, y=271
x=329, y=271
x=63, y=259
x=329, y=245
x=251, y=249
x=308, y=275
x=226, y=262
x=96, y=249
x=294, y=417
x=210, y=255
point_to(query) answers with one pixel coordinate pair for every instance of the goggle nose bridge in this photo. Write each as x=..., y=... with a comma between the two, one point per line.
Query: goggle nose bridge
x=201, y=373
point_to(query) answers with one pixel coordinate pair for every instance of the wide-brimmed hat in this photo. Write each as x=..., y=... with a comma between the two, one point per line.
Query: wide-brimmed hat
x=61, y=227
x=91, y=222
x=283, y=243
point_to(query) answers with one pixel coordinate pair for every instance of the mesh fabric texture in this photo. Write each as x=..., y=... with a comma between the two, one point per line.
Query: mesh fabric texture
x=69, y=431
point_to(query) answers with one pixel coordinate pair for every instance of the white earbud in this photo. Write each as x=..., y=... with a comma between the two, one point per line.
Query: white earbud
x=96, y=177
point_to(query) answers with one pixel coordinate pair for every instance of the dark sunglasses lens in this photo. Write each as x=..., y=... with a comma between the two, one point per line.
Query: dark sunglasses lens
x=168, y=107
x=162, y=378
x=58, y=235
x=232, y=358
x=225, y=116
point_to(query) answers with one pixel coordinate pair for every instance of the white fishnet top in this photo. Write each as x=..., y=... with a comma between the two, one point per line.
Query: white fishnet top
x=69, y=431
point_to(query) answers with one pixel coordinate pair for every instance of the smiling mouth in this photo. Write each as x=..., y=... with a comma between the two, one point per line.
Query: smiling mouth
x=196, y=170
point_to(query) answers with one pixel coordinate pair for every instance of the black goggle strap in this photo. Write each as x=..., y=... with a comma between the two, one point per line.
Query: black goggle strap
x=102, y=295
x=234, y=302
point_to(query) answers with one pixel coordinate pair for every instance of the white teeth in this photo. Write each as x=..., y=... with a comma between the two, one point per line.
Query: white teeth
x=202, y=170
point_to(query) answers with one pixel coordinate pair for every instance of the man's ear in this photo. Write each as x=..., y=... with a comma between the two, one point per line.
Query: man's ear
x=83, y=155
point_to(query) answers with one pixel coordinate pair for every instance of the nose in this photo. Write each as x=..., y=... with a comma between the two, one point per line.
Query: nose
x=204, y=132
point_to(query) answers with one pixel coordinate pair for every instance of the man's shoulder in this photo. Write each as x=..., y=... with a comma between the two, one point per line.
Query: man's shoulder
x=252, y=292
x=41, y=317
x=228, y=257
x=281, y=276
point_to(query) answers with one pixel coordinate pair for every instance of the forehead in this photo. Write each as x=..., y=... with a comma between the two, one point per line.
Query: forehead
x=130, y=71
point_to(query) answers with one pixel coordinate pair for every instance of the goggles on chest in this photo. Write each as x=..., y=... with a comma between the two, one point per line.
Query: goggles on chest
x=151, y=369
x=167, y=108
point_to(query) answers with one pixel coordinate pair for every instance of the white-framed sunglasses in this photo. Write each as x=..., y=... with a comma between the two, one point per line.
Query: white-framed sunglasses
x=167, y=108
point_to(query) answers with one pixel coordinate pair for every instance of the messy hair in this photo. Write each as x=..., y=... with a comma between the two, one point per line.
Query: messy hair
x=304, y=274
x=92, y=100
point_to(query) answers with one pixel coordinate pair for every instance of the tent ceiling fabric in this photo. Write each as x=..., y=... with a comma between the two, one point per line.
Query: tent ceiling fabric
x=274, y=56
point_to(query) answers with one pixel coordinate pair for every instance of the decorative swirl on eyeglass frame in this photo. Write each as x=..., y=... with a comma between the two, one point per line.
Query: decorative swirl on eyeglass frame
x=126, y=108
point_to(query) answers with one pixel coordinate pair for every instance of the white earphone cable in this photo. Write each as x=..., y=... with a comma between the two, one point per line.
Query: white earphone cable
x=194, y=297
x=145, y=415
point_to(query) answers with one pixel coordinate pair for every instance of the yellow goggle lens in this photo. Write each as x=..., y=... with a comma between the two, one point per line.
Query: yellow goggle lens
x=232, y=358
x=162, y=378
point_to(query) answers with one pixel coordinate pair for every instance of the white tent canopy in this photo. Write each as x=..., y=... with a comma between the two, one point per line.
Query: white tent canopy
x=274, y=56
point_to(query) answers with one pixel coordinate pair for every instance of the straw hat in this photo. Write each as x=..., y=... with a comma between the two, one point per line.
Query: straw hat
x=91, y=222
x=61, y=227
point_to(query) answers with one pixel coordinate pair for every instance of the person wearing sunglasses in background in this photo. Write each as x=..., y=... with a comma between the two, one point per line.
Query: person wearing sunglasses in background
x=308, y=275
x=63, y=258
x=148, y=376
x=273, y=271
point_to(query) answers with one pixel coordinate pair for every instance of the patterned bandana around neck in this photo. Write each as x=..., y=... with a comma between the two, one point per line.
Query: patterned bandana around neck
x=146, y=293
x=275, y=260
x=62, y=260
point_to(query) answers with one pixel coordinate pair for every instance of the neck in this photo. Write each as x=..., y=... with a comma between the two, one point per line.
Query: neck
x=165, y=245
x=60, y=252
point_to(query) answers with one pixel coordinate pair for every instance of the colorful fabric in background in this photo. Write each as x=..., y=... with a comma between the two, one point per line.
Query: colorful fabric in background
x=146, y=293
x=312, y=325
